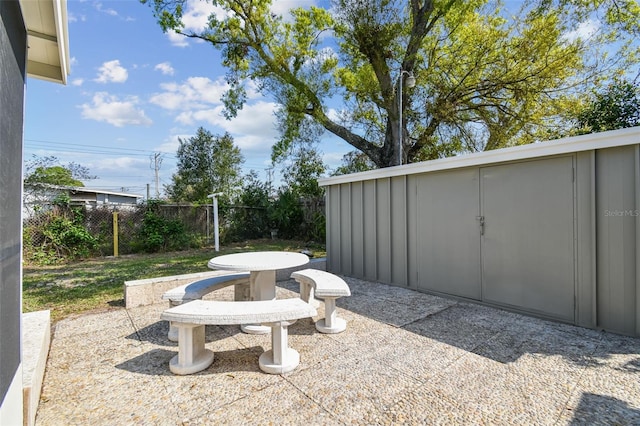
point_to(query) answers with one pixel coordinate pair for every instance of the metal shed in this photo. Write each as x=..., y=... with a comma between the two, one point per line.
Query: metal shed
x=550, y=229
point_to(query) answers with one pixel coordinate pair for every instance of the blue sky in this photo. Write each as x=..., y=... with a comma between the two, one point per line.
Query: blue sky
x=133, y=91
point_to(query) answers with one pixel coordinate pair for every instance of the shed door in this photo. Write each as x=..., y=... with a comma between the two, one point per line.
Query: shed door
x=528, y=239
x=448, y=239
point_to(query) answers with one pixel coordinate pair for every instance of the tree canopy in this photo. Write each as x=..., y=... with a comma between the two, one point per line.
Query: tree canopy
x=486, y=76
x=207, y=164
x=615, y=107
x=54, y=175
x=354, y=162
x=49, y=171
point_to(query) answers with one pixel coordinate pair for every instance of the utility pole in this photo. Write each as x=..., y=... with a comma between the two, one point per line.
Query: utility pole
x=156, y=161
x=269, y=178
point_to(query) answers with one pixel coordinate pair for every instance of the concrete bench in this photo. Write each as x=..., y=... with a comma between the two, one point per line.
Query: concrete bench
x=198, y=289
x=190, y=320
x=329, y=287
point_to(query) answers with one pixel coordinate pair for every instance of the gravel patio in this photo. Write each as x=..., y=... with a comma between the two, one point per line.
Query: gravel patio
x=405, y=358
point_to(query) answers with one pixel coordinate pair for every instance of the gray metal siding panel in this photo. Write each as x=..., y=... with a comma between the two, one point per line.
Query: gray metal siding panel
x=637, y=242
x=357, y=230
x=528, y=243
x=557, y=253
x=333, y=229
x=448, y=246
x=616, y=233
x=399, y=231
x=585, y=239
x=13, y=52
x=383, y=230
x=345, y=229
x=369, y=225
x=412, y=232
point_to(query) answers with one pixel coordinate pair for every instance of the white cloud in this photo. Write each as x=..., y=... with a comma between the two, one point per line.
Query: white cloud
x=77, y=82
x=176, y=39
x=282, y=7
x=117, y=164
x=195, y=19
x=333, y=159
x=253, y=129
x=584, y=31
x=197, y=101
x=112, y=72
x=194, y=93
x=165, y=68
x=197, y=14
x=172, y=143
x=110, y=109
x=108, y=11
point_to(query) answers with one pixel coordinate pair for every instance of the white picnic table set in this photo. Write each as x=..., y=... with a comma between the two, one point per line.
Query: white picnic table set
x=255, y=308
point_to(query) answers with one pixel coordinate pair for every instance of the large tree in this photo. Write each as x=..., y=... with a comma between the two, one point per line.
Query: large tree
x=49, y=171
x=615, y=107
x=207, y=164
x=486, y=76
x=354, y=162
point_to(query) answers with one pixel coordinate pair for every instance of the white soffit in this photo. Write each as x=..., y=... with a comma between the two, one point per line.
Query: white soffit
x=630, y=136
x=47, y=39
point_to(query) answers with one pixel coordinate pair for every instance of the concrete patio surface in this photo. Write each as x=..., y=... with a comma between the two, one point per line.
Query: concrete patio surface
x=405, y=358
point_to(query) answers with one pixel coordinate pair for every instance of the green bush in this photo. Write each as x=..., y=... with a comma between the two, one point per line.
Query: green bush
x=250, y=218
x=160, y=234
x=316, y=230
x=286, y=215
x=62, y=236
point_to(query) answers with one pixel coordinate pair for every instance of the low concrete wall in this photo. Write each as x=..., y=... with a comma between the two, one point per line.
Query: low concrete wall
x=36, y=338
x=149, y=291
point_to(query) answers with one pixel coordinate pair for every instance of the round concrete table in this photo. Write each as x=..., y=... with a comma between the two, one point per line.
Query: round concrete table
x=263, y=266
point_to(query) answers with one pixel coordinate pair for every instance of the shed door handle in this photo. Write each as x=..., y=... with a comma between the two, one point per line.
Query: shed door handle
x=481, y=219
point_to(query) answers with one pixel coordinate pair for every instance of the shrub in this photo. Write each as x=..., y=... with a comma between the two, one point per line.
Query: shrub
x=250, y=219
x=62, y=235
x=286, y=215
x=160, y=234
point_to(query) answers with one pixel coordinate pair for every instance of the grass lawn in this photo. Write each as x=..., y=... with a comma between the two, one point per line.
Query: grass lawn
x=98, y=284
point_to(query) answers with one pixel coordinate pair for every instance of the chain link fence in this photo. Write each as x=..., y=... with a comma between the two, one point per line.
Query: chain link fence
x=197, y=221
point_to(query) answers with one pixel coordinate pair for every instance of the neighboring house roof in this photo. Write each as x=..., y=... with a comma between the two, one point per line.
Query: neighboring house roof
x=77, y=192
x=47, y=38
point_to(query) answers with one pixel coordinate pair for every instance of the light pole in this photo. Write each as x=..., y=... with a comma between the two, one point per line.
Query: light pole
x=215, y=219
x=411, y=82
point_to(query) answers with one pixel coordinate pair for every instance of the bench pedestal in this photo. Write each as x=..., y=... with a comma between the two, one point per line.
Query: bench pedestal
x=190, y=320
x=307, y=294
x=198, y=289
x=280, y=358
x=331, y=323
x=326, y=286
x=192, y=355
x=261, y=287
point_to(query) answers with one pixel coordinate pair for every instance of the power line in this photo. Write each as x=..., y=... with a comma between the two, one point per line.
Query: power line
x=104, y=150
x=86, y=145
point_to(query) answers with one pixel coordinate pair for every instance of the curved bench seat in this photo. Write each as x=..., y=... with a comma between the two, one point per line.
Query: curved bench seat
x=196, y=290
x=190, y=319
x=329, y=287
